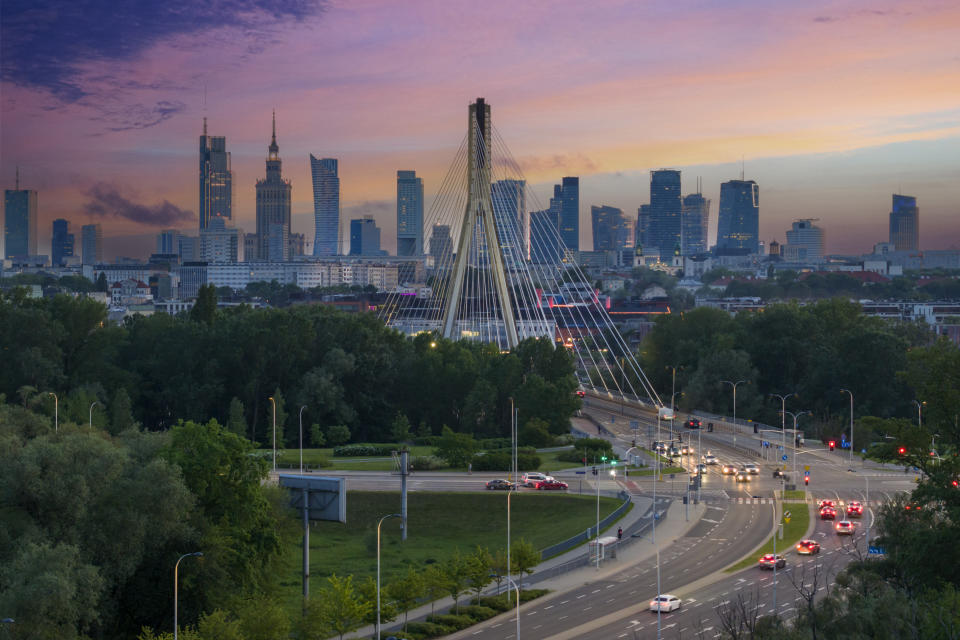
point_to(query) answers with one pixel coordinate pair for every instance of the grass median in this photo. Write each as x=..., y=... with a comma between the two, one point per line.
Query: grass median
x=793, y=532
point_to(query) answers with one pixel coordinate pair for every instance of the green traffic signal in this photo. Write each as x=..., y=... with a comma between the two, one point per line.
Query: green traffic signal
x=613, y=463
x=603, y=458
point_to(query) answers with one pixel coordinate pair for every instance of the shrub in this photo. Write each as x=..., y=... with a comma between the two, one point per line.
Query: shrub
x=501, y=461
x=427, y=441
x=478, y=612
x=428, y=629
x=426, y=463
x=564, y=440
x=363, y=450
x=455, y=622
x=499, y=603
x=496, y=443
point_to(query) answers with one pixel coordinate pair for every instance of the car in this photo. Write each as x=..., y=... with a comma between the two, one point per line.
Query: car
x=769, y=561
x=674, y=452
x=581, y=393
x=692, y=423
x=854, y=510
x=687, y=450
x=501, y=484
x=845, y=528
x=666, y=602
x=729, y=469
x=752, y=469
x=825, y=503
x=551, y=485
x=828, y=513
x=532, y=478
x=710, y=459
x=743, y=477
x=661, y=448
x=777, y=473
x=808, y=547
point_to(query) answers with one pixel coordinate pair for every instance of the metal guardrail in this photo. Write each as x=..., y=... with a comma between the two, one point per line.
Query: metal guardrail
x=580, y=538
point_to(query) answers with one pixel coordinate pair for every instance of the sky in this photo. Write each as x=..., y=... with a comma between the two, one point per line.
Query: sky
x=830, y=106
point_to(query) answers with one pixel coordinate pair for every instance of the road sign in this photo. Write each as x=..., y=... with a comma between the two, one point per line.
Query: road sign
x=876, y=551
x=783, y=457
x=787, y=520
x=806, y=473
x=786, y=516
x=806, y=467
x=580, y=473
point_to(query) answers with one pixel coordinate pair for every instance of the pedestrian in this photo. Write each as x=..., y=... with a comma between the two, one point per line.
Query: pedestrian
x=470, y=468
x=619, y=533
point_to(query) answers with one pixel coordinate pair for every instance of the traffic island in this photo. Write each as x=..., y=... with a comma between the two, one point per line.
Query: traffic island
x=793, y=532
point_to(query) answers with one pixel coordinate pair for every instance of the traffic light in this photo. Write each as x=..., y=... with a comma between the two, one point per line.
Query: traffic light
x=584, y=459
x=806, y=480
x=594, y=471
x=603, y=458
x=613, y=463
x=832, y=444
x=902, y=451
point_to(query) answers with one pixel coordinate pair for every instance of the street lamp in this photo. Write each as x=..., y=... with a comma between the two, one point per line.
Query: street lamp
x=56, y=411
x=301, y=438
x=517, y=589
x=673, y=384
x=734, y=385
x=851, y=422
x=196, y=554
x=783, y=408
x=794, y=416
x=919, y=412
x=274, y=403
x=389, y=515
x=91, y=412
x=675, y=394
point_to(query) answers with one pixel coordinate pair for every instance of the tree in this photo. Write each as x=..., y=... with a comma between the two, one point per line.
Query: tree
x=205, y=308
x=388, y=608
x=400, y=429
x=121, y=415
x=498, y=567
x=237, y=421
x=317, y=438
x=434, y=583
x=26, y=392
x=406, y=591
x=262, y=618
x=456, y=448
x=478, y=566
x=523, y=557
x=339, y=609
x=101, y=284
x=217, y=625
x=280, y=405
x=456, y=570
x=338, y=434
x=535, y=434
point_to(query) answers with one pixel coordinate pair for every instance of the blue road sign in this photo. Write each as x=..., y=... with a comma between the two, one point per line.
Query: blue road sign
x=806, y=473
x=580, y=473
x=783, y=457
x=764, y=442
x=876, y=551
x=863, y=450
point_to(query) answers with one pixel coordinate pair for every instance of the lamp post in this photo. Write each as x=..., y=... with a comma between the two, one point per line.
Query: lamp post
x=389, y=515
x=673, y=384
x=919, y=411
x=274, y=404
x=196, y=554
x=734, y=385
x=851, y=422
x=301, y=438
x=518, y=604
x=91, y=413
x=56, y=411
x=675, y=394
x=794, y=416
x=783, y=408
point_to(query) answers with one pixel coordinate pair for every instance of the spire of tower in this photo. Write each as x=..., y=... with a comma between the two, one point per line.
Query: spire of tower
x=274, y=147
x=274, y=126
x=18, y=178
x=204, y=125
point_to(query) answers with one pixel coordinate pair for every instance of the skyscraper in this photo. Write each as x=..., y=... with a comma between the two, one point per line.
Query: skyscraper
x=544, y=241
x=167, y=241
x=570, y=213
x=805, y=242
x=220, y=243
x=441, y=245
x=91, y=240
x=663, y=222
x=216, y=179
x=326, y=205
x=905, y=223
x=364, y=237
x=20, y=221
x=611, y=230
x=509, y=211
x=696, y=224
x=273, y=207
x=61, y=244
x=409, y=214
x=738, y=222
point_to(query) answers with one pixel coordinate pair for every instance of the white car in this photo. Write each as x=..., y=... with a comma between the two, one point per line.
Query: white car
x=752, y=469
x=665, y=603
x=710, y=459
x=531, y=479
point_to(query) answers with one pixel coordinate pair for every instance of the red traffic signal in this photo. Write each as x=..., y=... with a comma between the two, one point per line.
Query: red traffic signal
x=832, y=444
x=806, y=479
x=902, y=451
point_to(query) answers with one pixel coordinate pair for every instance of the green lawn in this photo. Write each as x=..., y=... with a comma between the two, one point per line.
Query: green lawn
x=797, y=494
x=440, y=524
x=549, y=462
x=793, y=532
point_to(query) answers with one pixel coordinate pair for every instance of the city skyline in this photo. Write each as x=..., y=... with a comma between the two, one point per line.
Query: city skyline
x=112, y=143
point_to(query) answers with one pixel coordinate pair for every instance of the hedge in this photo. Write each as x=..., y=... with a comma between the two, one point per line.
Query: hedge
x=477, y=612
x=453, y=621
x=502, y=461
x=363, y=450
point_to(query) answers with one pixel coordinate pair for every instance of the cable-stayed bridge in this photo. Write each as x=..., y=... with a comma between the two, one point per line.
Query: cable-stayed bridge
x=504, y=274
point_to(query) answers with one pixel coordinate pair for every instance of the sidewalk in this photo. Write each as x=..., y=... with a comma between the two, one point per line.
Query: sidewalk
x=670, y=527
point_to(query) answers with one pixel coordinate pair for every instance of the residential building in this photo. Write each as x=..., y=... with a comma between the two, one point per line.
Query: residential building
x=273, y=206
x=326, y=205
x=61, y=243
x=216, y=179
x=409, y=214
x=905, y=223
x=441, y=246
x=805, y=242
x=364, y=237
x=663, y=222
x=20, y=221
x=220, y=243
x=695, y=224
x=611, y=229
x=738, y=222
x=188, y=248
x=167, y=241
x=91, y=242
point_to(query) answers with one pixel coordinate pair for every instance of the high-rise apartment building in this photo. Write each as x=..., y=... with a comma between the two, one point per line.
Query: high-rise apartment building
x=905, y=223
x=273, y=207
x=662, y=224
x=441, y=245
x=167, y=241
x=220, y=243
x=364, y=237
x=20, y=221
x=188, y=248
x=569, y=220
x=91, y=242
x=61, y=243
x=544, y=239
x=509, y=212
x=326, y=205
x=695, y=224
x=216, y=179
x=611, y=229
x=805, y=242
x=738, y=221
x=409, y=214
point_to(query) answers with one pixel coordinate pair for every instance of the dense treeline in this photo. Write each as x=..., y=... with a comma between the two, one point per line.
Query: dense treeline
x=811, y=351
x=347, y=369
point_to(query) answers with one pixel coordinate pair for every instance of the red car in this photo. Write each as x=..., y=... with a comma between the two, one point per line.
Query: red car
x=692, y=423
x=828, y=513
x=808, y=547
x=855, y=510
x=552, y=485
x=825, y=503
